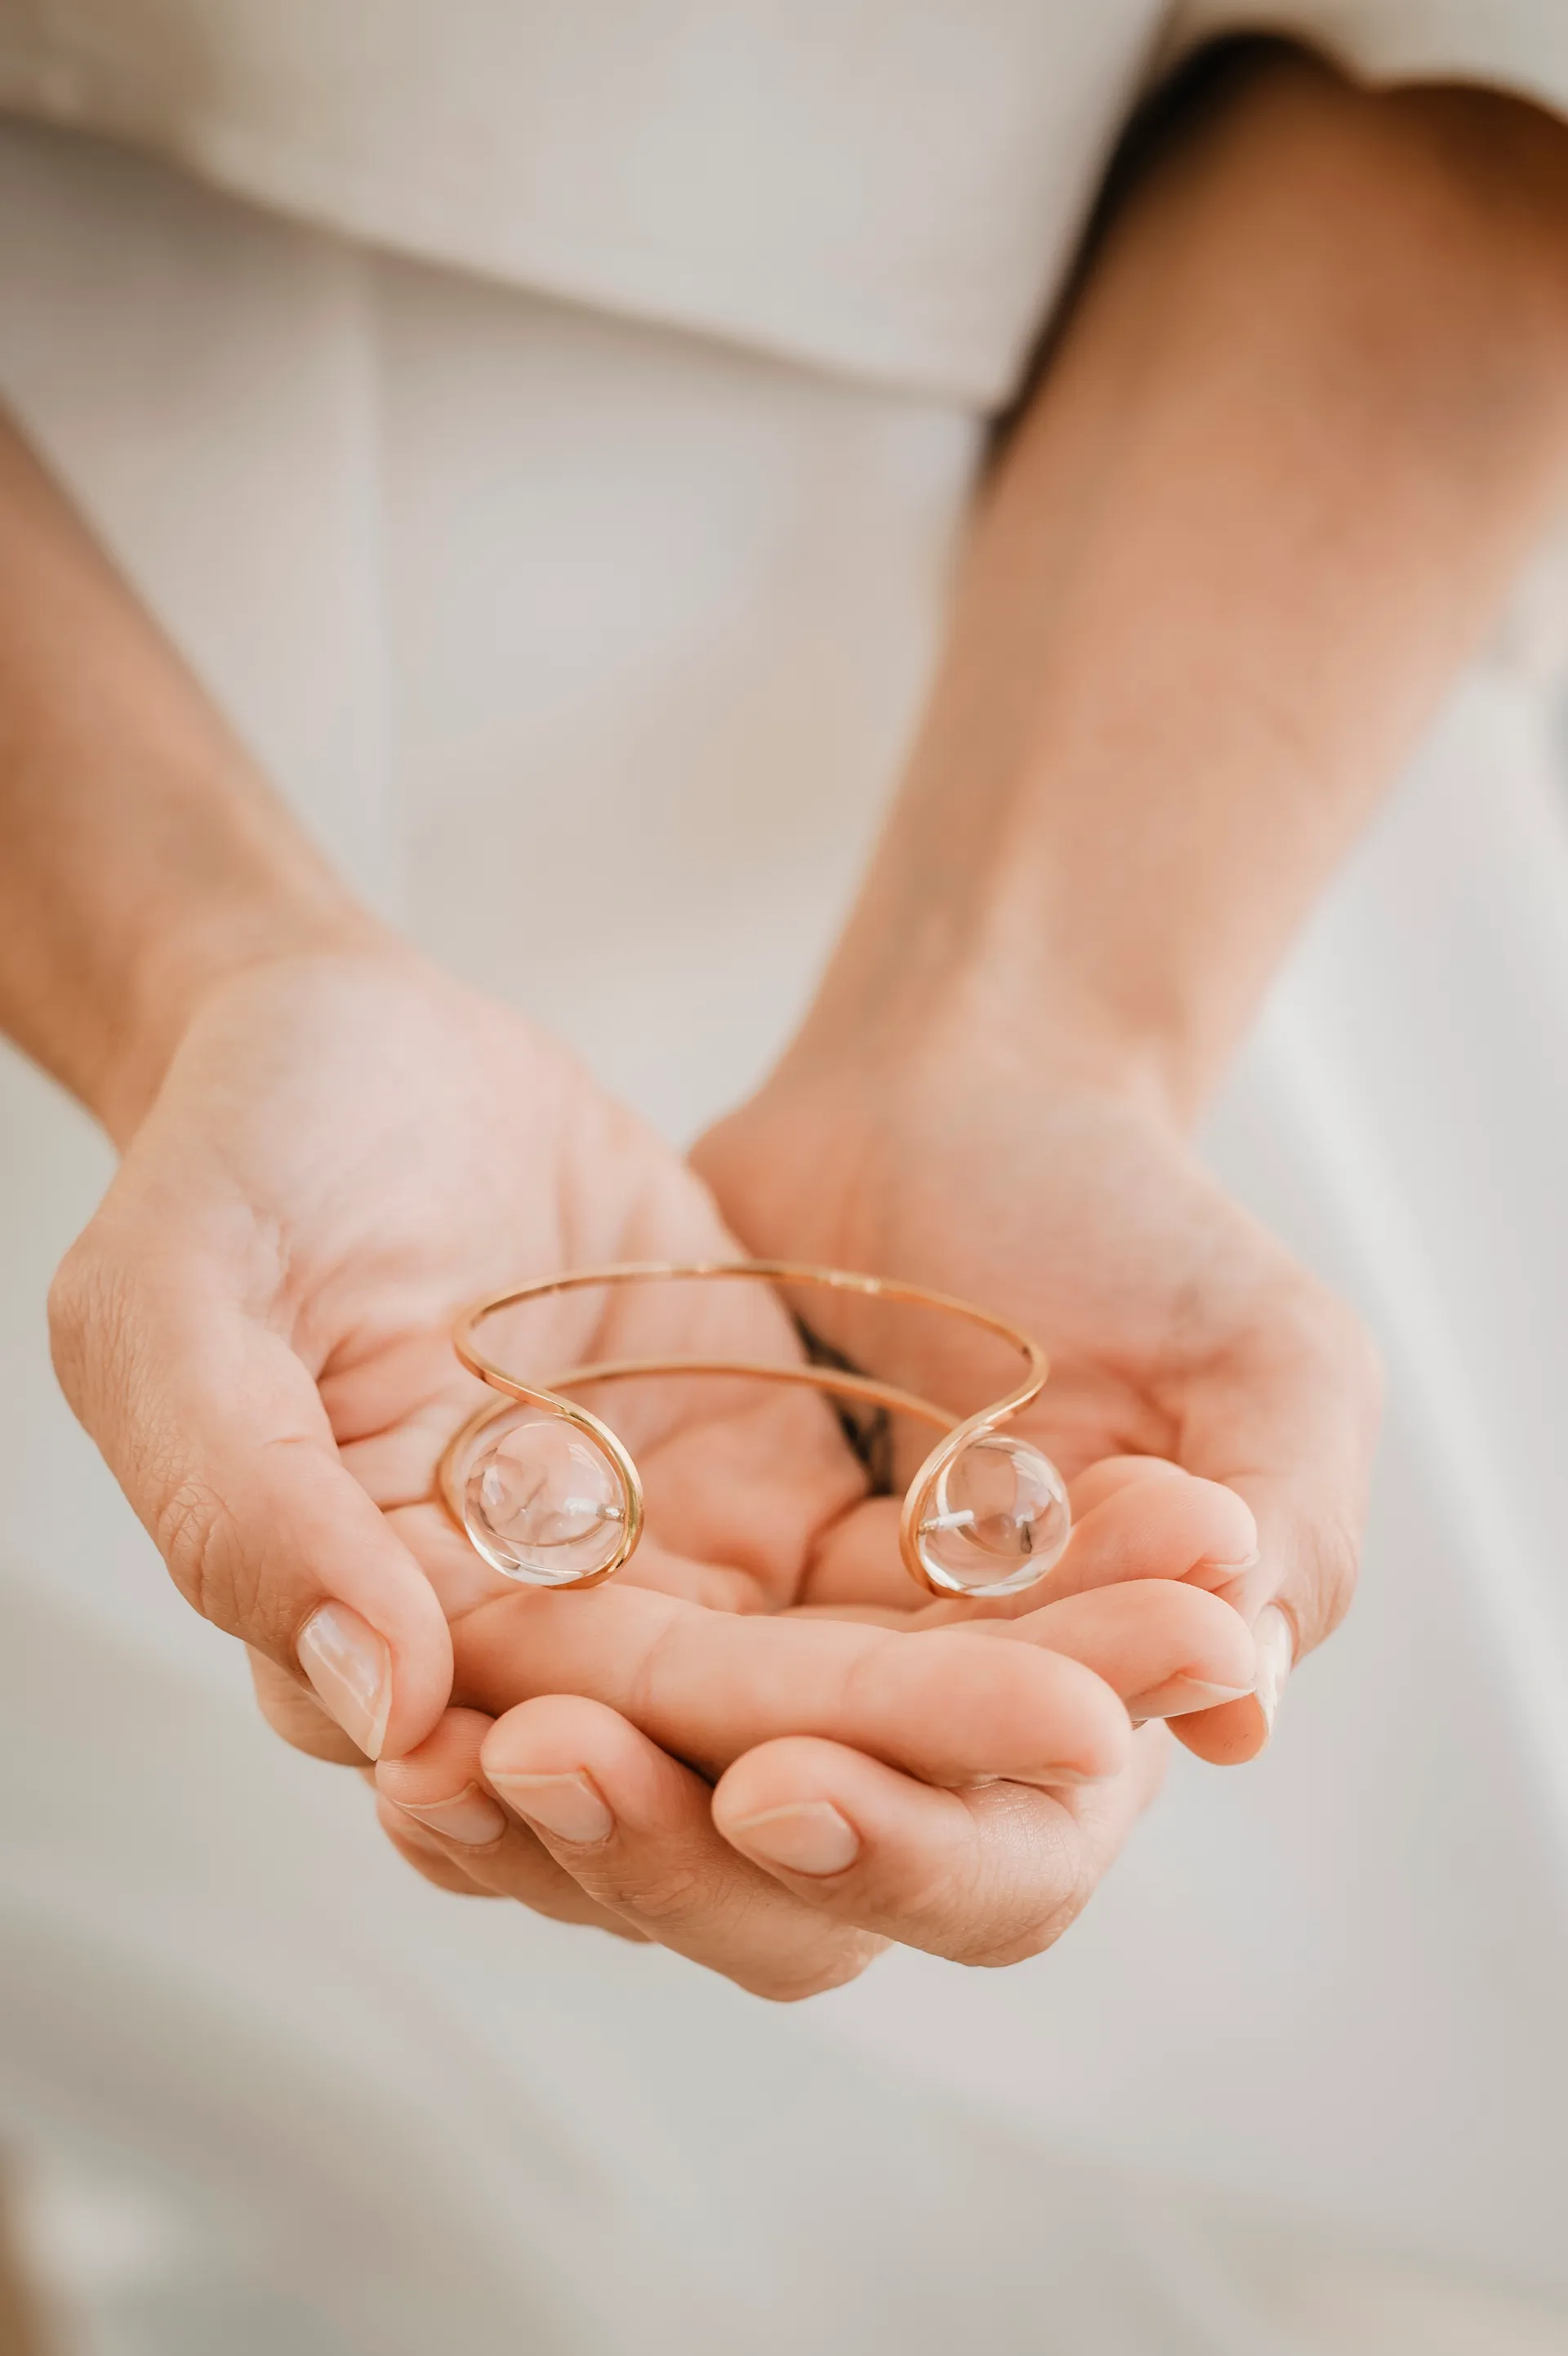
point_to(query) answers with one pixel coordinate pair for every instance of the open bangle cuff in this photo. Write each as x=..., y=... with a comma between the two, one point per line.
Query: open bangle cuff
x=549, y=1495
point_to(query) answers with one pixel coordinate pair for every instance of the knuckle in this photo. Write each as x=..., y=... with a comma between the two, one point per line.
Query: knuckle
x=933, y=1904
x=565, y=1902
x=195, y=1533
x=68, y=1307
x=89, y=1322
x=673, y=1896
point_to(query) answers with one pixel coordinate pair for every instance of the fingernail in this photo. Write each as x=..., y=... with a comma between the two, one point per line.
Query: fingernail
x=1180, y=1696
x=807, y=1837
x=1276, y=1655
x=567, y=1805
x=472, y=1817
x=350, y=1666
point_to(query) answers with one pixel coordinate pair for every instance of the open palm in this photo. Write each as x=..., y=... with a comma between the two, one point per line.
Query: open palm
x=256, y=1329
x=1179, y=1329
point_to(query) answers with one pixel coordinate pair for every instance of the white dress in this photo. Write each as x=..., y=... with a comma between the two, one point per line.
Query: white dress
x=534, y=422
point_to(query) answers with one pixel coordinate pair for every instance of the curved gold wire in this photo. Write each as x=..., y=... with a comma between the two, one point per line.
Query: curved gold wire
x=839, y=1382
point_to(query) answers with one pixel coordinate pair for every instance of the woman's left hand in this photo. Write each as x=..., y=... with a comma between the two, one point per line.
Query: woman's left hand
x=1179, y=1329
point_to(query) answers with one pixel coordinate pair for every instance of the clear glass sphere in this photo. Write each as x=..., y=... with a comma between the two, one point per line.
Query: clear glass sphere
x=997, y=1518
x=541, y=1500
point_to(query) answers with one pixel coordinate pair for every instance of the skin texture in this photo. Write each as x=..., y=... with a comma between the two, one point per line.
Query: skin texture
x=1297, y=430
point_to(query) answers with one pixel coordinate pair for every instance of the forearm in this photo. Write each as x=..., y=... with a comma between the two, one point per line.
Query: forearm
x=1309, y=410
x=141, y=856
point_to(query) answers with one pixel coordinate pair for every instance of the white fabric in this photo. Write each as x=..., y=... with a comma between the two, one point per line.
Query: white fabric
x=1514, y=45
x=612, y=637
x=892, y=189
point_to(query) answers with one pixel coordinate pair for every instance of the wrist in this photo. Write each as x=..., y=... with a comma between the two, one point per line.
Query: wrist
x=181, y=970
x=143, y=859
x=1000, y=1028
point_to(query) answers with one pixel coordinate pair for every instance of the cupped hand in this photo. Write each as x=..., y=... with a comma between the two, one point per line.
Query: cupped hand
x=1179, y=1329
x=255, y=1327
x=778, y=1798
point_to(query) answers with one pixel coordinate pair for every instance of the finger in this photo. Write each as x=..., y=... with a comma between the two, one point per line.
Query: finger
x=1287, y=1417
x=1236, y=1730
x=436, y=1801
x=983, y=1875
x=1143, y=1509
x=216, y=1432
x=947, y=1704
x=1164, y=1648
x=292, y=1710
x=428, y=1855
x=1137, y=1517
x=1108, y=1473
x=635, y=1830
x=1134, y=1517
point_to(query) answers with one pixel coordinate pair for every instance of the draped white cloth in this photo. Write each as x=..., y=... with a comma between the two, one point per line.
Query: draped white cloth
x=588, y=647
x=892, y=190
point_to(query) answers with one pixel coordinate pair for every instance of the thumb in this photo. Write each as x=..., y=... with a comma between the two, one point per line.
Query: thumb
x=217, y=1434
x=1287, y=1415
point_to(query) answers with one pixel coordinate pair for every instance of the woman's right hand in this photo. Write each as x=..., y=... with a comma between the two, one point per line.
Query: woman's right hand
x=343, y=1148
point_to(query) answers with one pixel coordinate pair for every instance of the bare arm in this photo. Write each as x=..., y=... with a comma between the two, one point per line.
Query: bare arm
x=141, y=855
x=1306, y=415
x=1306, y=418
